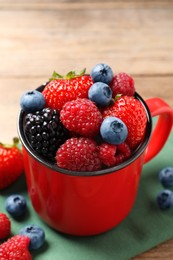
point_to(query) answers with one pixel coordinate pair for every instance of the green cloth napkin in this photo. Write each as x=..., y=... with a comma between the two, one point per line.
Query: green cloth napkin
x=145, y=227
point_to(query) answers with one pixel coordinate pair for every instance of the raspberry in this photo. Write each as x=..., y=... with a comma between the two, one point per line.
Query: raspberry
x=122, y=84
x=45, y=132
x=79, y=154
x=5, y=226
x=111, y=155
x=82, y=117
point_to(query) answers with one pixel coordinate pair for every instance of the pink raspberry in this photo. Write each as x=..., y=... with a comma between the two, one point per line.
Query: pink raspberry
x=79, y=154
x=112, y=155
x=82, y=117
x=122, y=84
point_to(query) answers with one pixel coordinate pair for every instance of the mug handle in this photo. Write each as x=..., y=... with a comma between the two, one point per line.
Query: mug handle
x=160, y=134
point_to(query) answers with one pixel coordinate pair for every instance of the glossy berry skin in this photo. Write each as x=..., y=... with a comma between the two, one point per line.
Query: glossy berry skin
x=16, y=205
x=100, y=93
x=57, y=92
x=79, y=154
x=165, y=199
x=123, y=84
x=113, y=130
x=15, y=248
x=32, y=101
x=166, y=176
x=112, y=155
x=11, y=165
x=5, y=226
x=36, y=235
x=82, y=117
x=102, y=73
x=132, y=113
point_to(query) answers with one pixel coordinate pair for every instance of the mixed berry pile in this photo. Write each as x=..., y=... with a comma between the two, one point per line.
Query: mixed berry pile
x=85, y=122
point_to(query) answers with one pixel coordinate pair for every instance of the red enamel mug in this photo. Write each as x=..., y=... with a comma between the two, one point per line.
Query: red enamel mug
x=89, y=203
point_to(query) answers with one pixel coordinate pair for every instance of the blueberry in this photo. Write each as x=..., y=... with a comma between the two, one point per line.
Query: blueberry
x=113, y=130
x=102, y=73
x=165, y=199
x=36, y=235
x=32, y=101
x=16, y=205
x=100, y=93
x=166, y=176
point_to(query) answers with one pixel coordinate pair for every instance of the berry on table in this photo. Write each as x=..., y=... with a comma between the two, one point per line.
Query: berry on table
x=15, y=248
x=79, y=154
x=11, y=163
x=166, y=176
x=165, y=199
x=5, y=226
x=100, y=93
x=113, y=130
x=123, y=84
x=16, y=205
x=32, y=101
x=102, y=73
x=36, y=235
x=61, y=89
x=131, y=111
x=45, y=132
x=82, y=117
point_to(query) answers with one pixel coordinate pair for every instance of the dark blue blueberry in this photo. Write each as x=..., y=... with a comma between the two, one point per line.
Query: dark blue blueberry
x=165, y=199
x=32, y=101
x=100, y=93
x=16, y=205
x=36, y=235
x=166, y=176
x=113, y=130
x=102, y=73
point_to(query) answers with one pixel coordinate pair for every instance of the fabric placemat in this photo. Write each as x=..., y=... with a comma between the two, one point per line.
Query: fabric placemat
x=145, y=227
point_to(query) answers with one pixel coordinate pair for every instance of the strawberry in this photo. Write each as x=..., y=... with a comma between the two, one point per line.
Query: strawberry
x=61, y=89
x=132, y=113
x=15, y=248
x=5, y=226
x=11, y=163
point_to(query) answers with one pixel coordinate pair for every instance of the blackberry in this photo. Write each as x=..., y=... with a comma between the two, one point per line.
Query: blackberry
x=45, y=132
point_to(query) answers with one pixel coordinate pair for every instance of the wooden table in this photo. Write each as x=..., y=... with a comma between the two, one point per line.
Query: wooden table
x=37, y=37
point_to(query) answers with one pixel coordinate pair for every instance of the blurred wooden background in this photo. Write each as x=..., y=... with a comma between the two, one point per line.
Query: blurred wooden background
x=37, y=37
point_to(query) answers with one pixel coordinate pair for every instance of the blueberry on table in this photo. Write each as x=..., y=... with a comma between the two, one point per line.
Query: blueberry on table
x=166, y=176
x=36, y=235
x=102, y=73
x=113, y=130
x=165, y=199
x=100, y=93
x=32, y=101
x=16, y=205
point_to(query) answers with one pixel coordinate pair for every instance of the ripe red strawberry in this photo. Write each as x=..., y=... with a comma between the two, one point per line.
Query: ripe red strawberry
x=15, y=248
x=82, y=117
x=132, y=113
x=79, y=154
x=5, y=226
x=11, y=164
x=112, y=155
x=122, y=84
x=60, y=90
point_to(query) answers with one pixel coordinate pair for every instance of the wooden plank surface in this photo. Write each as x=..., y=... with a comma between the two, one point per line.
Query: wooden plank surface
x=37, y=37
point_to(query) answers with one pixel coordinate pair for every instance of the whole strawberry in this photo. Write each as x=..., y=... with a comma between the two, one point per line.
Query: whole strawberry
x=11, y=163
x=79, y=154
x=82, y=117
x=15, y=248
x=5, y=226
x=61, y=89
x=132, y=113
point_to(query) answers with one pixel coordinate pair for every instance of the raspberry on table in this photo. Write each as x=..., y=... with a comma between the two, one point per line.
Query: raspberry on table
x=82, y=117
x=5, y=226
x=79, y=154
